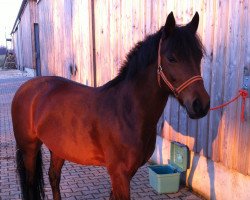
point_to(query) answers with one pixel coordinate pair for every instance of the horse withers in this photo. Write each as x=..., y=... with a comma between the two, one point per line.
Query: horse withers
x=113, y=125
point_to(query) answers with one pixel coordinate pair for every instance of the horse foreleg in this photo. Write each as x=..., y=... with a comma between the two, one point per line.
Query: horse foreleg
x=56, y=164
x=120, y=187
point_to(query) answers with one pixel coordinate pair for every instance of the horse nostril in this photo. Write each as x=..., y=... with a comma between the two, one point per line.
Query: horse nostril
x=197, y=107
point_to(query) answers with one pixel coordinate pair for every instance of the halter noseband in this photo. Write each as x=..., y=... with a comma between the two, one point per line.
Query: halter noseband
x=179, y=89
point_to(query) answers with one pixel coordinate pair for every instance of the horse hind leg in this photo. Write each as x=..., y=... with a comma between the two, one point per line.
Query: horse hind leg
x=29, y=165
x=56, y=165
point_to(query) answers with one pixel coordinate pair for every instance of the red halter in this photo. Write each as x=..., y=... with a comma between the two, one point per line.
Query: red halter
x=179, y=89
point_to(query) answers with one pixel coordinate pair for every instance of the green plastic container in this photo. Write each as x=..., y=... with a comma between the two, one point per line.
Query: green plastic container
x=166, y=178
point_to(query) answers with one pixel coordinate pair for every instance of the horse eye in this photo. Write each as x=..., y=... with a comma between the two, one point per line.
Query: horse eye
x=172, y=59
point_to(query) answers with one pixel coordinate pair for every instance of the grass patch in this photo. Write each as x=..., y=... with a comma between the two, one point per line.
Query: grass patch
x=2, y=60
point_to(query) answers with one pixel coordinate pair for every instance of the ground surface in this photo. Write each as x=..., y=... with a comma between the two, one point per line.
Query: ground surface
x=78, y=182
x=2, y=60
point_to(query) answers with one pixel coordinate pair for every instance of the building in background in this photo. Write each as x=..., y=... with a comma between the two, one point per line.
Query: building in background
x=23, y=34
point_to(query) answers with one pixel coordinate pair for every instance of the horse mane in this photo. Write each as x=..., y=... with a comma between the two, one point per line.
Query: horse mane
x=183, y=43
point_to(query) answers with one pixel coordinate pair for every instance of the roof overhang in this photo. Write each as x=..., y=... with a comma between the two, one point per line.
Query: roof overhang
x=18, y=18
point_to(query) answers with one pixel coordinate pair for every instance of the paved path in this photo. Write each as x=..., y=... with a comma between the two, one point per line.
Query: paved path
x=78, y=182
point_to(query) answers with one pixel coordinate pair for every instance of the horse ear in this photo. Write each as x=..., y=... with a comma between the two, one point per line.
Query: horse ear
x=193, y=25
x=169, y=25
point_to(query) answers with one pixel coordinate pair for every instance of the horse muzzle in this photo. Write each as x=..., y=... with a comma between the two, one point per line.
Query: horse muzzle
x=198, y=108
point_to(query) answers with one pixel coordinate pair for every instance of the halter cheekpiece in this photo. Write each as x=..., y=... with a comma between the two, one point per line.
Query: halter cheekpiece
x=160, y=74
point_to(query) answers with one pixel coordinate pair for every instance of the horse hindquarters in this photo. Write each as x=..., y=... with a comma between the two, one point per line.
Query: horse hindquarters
x=28, y=154
x=29, y=161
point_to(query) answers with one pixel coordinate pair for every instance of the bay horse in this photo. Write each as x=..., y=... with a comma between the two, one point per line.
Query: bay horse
x=113, y=125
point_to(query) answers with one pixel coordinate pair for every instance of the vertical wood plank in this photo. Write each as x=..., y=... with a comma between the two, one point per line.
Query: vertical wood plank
x=57, y=26
x=219, y=65
x=82, y=41
x=238, y=163
x=210, y=40
x=215, y=56
x=246, y=129
x=115, y=34
x=202, y=129
x=136, y=33
x=32, y=7
x=68, y=40
x=102, y=39
x=26, y=38
x=231, y=71
x=148, y=17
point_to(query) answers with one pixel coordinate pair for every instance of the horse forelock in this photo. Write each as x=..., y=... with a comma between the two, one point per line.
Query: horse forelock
x=185, y=45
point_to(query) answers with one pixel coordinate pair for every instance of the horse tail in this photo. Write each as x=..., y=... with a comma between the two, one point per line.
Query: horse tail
x=38, y=183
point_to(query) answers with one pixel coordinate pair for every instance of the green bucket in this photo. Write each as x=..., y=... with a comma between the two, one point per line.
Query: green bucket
x=166, y=178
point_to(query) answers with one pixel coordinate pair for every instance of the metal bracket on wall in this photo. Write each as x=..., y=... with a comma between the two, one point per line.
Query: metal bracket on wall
x=246, y=80
x=73, y=70
x=246, y=86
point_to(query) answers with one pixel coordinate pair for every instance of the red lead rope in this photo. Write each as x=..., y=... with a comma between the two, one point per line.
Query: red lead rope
x=242, y=93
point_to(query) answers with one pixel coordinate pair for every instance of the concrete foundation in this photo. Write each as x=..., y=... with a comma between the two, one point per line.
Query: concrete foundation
x=210, y=179
x=30, y=72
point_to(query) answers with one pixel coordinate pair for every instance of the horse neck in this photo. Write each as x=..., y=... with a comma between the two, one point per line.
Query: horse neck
x=148, y=95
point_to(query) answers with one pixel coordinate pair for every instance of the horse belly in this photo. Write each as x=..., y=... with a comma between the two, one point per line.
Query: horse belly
x=77, y=142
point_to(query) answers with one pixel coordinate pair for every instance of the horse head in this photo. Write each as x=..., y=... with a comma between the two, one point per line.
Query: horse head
x=179, y=61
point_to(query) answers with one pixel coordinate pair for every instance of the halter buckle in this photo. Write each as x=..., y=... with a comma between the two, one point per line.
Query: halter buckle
x=159, y=68
x=176, y=94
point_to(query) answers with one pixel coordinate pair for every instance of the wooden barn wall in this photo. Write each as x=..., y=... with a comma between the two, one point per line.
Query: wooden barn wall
x=66, y=39
x=224, y=30
x=24, y=36
x=17, y=49
x=80, y=33
x=33, y=19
